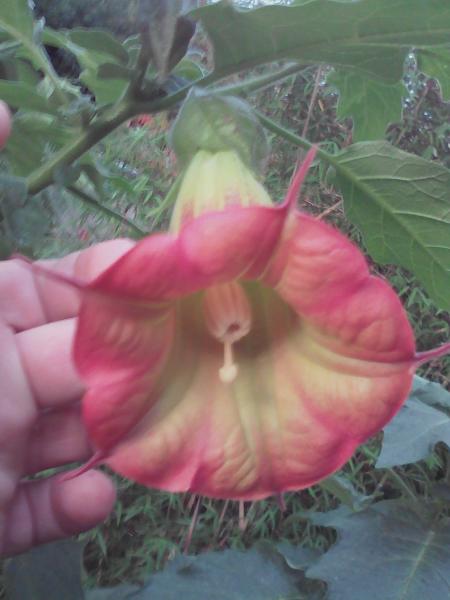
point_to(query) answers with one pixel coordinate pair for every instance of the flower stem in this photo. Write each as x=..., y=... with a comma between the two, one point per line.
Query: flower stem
x=257, y=83
x=423, y=357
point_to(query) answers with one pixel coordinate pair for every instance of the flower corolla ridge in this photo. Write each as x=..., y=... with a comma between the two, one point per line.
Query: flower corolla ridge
x=246, y=352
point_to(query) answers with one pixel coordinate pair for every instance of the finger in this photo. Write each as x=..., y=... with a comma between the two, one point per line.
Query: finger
x=29, y=299
x=46, y=354
x=17, y=414
x=58, y=438
x=5, y=123
x=50, y=509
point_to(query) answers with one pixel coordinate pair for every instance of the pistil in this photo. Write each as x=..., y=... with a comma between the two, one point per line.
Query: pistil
x=228, y=318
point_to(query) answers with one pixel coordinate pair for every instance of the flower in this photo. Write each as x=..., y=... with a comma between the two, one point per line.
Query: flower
x=246, y=352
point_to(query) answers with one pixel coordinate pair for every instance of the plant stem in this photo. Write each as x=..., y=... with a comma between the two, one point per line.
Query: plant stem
x=88, y=199
x=257, y=83
x=299, y=141
x=43, y=176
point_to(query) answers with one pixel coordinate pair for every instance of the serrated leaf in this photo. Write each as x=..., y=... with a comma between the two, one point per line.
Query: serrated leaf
x=401, y=204
x=371, y=104
x=21, y=95
x=386, y=553
x=229, y=575
x=435, y=62
x=371, y=37
x=414, y=431
x=46, y=572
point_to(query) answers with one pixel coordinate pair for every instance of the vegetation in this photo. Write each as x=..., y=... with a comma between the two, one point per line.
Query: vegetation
x=116, y=183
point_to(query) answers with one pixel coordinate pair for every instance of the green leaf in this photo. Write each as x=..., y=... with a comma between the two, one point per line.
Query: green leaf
x=417, y=428
x=435, y=62
x=114, y=71
x=431, y=393
x=258, y=574
x=401, y=203
x=371, y=37
x=47, y=135
x=97, y=52
x=16, y=18
x=22, y=95
x=106, y=91
x=386, y=553
x=25, y=220
x=121, y=592
x=372, y=104
x=169, y=34
x=100, y=41
x=188, y=69
x=50, y=571
x=344, y=491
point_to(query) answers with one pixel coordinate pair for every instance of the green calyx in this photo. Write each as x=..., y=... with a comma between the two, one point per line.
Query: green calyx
x=215, y=123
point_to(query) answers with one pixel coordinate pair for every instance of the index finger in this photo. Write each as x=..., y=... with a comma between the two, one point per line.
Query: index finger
x=29, y=299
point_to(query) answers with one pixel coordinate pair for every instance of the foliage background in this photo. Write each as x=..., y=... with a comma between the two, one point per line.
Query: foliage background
x=148, y=529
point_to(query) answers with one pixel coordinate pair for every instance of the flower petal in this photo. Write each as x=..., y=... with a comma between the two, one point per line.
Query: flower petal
x=325, y=278
x=286, y=422
x=120, y=351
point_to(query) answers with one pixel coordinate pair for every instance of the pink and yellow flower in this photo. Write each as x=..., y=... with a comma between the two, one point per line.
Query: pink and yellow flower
x=246, y=352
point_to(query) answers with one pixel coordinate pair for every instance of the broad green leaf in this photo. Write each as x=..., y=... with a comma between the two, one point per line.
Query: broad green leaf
x=387, y=553
x=401, y=203
x=46, y=572
x=435, y=62
x=372, y=104
x=431, y=393
x=417, y=428
x=121, y=592
x=22, y=95
x=258, y=574
x=371, y=37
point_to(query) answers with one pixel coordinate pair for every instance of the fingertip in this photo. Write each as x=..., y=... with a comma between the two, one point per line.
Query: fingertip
x=5, y=123
x=83, y=502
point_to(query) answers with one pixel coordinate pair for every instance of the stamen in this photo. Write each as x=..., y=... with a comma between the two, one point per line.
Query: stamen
x=228, y=318
x=229, y=371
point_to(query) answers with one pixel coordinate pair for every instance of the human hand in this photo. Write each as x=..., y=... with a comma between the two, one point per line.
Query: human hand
x=40, y=423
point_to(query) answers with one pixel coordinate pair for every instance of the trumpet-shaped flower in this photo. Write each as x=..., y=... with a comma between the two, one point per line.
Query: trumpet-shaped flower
x=246, y=352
